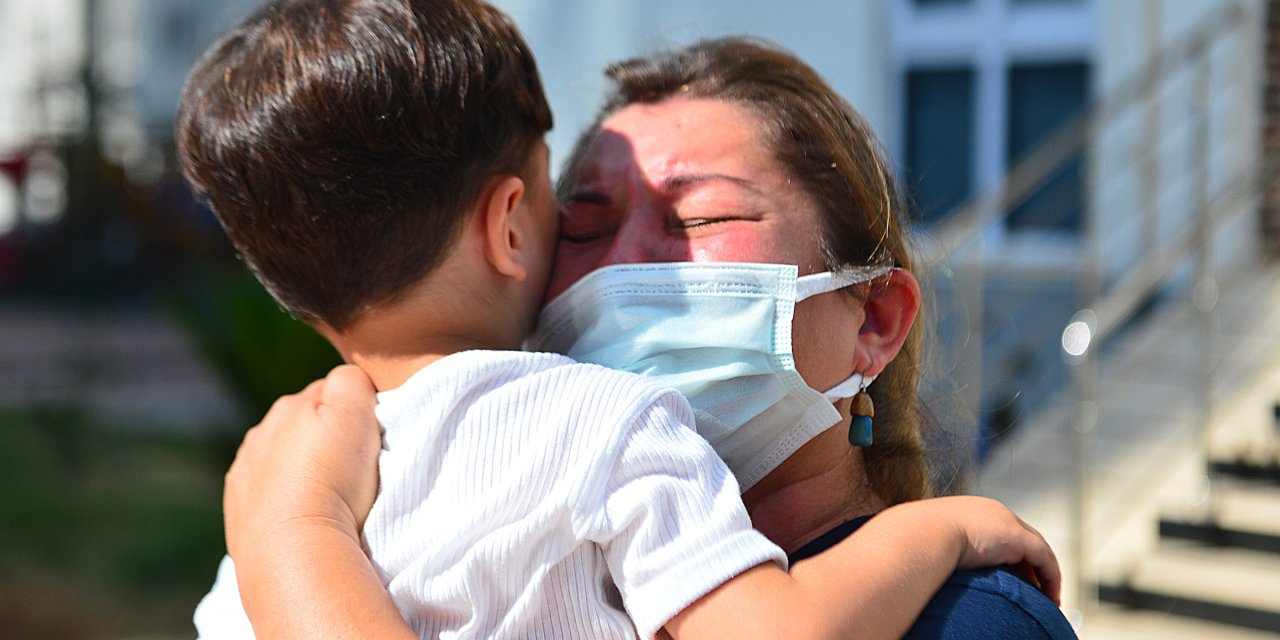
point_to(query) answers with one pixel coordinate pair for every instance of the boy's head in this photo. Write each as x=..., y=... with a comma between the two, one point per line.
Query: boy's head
x=342, y=143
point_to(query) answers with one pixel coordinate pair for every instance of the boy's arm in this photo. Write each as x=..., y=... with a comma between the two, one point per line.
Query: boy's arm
x=304, y=481
x=320, y=585
x=296, y=498
x=876, y=582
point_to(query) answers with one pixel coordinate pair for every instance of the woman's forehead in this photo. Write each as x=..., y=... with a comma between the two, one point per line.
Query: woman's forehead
x=679, y=136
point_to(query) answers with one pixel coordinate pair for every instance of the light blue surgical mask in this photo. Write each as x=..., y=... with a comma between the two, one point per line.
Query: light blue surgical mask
x=720, y=333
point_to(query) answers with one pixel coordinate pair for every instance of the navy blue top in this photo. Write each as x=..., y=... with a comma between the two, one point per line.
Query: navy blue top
x=984, y=603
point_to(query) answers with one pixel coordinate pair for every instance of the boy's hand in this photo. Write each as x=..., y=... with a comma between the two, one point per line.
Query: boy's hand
x=994, y=536
x=296, y=497
x=312, y=461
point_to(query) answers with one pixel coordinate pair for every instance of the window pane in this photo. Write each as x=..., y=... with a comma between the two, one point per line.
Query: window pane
x=939, y=140
x=1042, y=98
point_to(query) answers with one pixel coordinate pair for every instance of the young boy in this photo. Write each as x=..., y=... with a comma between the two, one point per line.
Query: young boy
x=379, y=165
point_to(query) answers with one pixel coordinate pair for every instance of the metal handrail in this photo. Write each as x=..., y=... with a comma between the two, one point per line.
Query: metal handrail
x=1106, y=311
x=993, y=204
x=1097, y=321
x=1122, y=302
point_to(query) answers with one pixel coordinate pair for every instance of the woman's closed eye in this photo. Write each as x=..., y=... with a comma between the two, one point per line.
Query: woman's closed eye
x=694, y=223
x=586, y=217
x=583, y=237
x=706, y=221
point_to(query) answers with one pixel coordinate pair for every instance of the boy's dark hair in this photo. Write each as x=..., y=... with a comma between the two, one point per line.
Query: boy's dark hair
x=341, y=142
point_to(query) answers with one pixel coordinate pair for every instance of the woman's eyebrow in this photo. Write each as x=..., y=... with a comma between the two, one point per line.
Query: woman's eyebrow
x=675, y=183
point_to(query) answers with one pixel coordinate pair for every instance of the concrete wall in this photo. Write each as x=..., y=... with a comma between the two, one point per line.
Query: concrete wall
x=41, y=45
x=171, y=35
x=150, y=45
x=573, y=40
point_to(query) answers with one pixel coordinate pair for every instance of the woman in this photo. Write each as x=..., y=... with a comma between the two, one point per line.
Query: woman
x=725, y=151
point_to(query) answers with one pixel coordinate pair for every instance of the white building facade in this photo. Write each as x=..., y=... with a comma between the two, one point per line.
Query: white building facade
x=958, y=90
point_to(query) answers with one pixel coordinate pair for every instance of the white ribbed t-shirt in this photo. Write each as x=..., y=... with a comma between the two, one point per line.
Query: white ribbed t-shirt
x=524, y=495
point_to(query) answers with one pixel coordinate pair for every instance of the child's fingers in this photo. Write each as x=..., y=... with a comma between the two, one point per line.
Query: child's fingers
x=1050, y=577
x=1027, y=572
x=348, y=391
x=1053, y=589
x=997, y=536
x=347, y=417
x=1048, y=582
x=345, y=410
x=1041, y=559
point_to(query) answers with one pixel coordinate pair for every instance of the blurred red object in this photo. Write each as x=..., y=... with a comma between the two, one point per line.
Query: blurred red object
x=14, y=165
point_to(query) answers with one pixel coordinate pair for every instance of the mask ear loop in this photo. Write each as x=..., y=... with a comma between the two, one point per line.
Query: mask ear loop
x=863, y=411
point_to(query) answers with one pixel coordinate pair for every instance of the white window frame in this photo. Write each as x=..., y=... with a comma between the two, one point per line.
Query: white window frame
x=989, y=37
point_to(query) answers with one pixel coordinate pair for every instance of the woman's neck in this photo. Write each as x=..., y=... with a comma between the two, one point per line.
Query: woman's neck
x=820, y=486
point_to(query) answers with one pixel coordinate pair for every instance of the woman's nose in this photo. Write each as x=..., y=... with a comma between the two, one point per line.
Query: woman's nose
x=641, y=238
x=628, y=249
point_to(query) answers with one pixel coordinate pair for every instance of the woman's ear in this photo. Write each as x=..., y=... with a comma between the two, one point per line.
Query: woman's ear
x=889, y=312
x=504, y=226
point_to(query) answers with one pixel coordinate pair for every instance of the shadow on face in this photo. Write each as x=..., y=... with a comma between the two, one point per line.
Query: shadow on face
x=681, y=180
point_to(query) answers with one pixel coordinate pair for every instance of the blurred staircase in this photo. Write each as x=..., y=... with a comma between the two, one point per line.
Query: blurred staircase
x=1220, y=560
x=1165, y=558
x=1154, y=472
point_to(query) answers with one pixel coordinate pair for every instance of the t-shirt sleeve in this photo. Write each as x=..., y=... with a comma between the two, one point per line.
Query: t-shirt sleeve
x=670, y=518
x=220, y=615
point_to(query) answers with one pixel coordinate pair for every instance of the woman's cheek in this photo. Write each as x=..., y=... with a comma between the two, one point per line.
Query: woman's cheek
x=572, y=262
x=825, y=339
x=733, y=248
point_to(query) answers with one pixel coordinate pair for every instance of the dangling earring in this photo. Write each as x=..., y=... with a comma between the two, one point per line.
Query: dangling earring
x=863, y=411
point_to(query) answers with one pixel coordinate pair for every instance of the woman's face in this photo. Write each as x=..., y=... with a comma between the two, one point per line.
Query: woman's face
x=690, y=180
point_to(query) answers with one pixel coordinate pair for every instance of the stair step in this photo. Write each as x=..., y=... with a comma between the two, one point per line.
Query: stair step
x=1245, y=514
x=1118, y=622
x=1214, y=534
x=1228, y=585
x=1247, y=470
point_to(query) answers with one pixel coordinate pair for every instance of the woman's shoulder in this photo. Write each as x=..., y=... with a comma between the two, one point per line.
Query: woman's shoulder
x=981, y=603
x=987, y=603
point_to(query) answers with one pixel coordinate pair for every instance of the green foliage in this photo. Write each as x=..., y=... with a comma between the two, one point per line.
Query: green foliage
x=122, y=531
x=259, y=350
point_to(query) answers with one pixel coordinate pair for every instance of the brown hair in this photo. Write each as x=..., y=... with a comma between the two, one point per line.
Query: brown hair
x=832, y=151
x=341, y=142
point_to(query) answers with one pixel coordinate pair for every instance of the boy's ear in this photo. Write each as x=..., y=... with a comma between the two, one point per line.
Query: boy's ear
x=504, y=227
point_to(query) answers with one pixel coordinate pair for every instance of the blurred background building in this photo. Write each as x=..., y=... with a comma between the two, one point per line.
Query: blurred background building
x=1092, y=187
